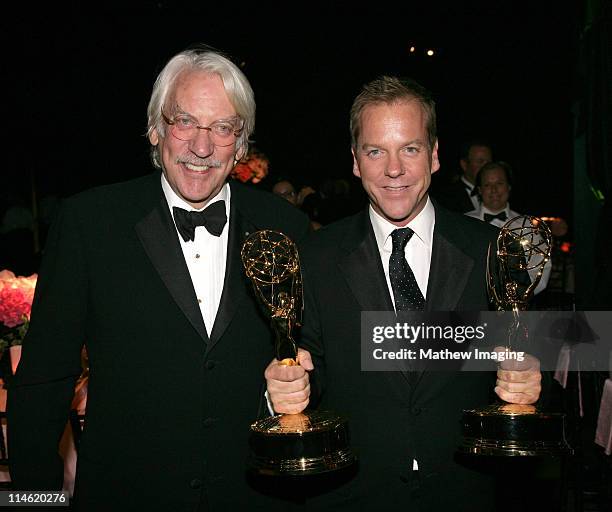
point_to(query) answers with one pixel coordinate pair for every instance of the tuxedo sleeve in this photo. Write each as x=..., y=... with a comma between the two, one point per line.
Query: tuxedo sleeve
x=40, y=393
x=310, y=336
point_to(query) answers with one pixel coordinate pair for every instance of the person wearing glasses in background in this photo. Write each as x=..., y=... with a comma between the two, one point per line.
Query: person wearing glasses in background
x=148, y=274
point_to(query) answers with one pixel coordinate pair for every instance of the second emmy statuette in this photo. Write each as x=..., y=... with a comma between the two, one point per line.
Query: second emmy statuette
x=513, y=273
x=310, y=442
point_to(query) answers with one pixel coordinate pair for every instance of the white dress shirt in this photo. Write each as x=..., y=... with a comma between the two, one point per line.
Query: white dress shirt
x=205, y=256
x=418, y=248
x=478, y=213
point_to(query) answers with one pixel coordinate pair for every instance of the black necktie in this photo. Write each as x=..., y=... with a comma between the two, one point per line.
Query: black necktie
x=213, y=218
x=488, y=217
x=406, y=292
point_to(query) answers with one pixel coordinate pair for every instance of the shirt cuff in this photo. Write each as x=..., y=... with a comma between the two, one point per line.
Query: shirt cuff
x=269, y=403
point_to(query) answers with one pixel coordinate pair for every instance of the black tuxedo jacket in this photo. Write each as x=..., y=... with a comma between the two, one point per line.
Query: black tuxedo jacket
x=392, y=419
x=454, y=196
x=169, y=405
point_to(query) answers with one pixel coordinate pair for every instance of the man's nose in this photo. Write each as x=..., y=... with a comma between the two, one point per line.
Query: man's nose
x=201, y=145
x=394, y=166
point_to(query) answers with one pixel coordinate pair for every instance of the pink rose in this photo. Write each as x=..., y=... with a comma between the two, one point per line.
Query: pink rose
x=16, y=295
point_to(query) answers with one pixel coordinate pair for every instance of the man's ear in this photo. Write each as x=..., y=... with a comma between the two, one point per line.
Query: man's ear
x=464, y=164
x=240, y=154
x=154, y=137
x=356, y=170
x=435, y=161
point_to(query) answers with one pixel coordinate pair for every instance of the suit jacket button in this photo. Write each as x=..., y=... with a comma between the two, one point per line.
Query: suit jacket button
x=196, y=483
x=209, y=422
x=210, y=365
x=416, y=411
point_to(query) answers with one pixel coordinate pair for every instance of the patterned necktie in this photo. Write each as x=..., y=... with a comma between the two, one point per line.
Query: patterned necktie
x=406, y=292
x=213, y=218
x=488, y=217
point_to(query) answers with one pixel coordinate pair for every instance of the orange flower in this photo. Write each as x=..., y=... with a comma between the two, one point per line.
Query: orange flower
x=254, y=168
x=242, y=172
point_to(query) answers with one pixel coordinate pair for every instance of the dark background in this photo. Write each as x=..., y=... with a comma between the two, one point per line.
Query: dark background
x=526, y=75
x=501, y=70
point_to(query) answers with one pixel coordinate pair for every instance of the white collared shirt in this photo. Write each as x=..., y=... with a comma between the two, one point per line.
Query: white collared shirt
x=206, y=256
x=479, y=212
x=418, y=248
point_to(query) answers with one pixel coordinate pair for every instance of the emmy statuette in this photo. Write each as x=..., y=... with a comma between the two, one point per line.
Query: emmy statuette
x=523, y=249
x=310, y=442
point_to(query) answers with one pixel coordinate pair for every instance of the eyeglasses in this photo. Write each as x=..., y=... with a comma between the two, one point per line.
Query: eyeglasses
x=222, y=133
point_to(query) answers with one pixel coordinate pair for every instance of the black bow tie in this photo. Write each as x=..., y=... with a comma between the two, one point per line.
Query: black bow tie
x=488, y=217
x=212, y=218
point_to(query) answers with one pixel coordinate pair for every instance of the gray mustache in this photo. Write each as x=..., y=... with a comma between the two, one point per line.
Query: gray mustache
x=199, y=162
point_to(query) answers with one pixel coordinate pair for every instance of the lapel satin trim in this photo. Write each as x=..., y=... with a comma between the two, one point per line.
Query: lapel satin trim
x=236, y=283
x=160, y=240
x=448, y=277
x=362, y=268
x=448, y=274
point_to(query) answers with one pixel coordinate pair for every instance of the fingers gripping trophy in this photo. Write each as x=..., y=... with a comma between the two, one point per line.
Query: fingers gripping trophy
x=306, y=443
x=523, y=250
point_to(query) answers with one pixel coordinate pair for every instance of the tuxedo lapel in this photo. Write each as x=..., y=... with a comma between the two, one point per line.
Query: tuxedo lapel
x=236, y=283
x=448, y=274
x=158, y=235
x=450, y=266
x=362, y=268
x=448, y=277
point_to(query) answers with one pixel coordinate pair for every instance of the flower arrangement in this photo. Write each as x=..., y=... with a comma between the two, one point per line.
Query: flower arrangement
x=253, y=167
x=16, y=295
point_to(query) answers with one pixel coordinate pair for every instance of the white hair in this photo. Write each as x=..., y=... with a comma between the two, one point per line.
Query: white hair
x=234, y=81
